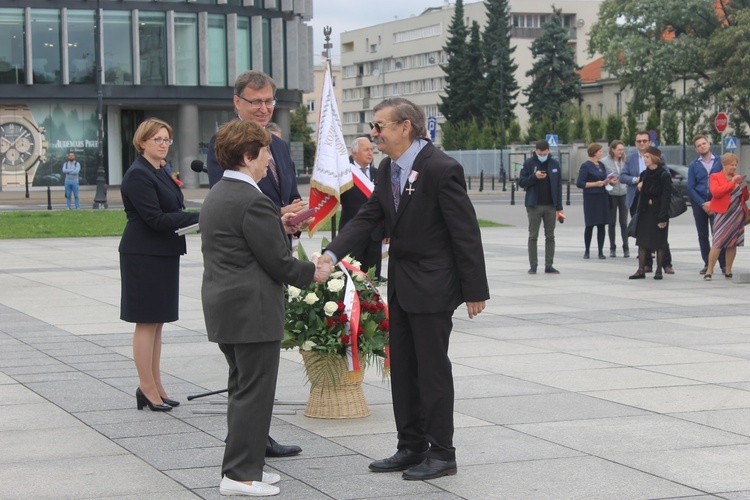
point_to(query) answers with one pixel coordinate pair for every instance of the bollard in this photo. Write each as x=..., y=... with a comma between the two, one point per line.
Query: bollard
x=502, y=173
x=493, y=182
x=568, y=201
x=513, y=192
x=481, y=181
x=49, y=198
x=469, y=183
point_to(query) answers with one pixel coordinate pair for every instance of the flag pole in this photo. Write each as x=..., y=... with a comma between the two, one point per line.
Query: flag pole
x=327, y=51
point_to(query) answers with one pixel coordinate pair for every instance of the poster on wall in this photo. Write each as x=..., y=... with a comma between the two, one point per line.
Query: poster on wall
x=35, y=142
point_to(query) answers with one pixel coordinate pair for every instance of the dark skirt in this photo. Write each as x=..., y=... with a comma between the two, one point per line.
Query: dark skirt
x=596, y=208
x=150, y=288
x=648, y=234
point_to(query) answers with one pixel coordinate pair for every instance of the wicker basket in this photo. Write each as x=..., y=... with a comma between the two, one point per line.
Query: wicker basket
x=334, y=391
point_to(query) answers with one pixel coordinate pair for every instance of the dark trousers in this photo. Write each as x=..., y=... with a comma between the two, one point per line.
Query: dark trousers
x=704, y=223
x=667, y=262
x=618, y=209
x=253, y=369
x=422, y=381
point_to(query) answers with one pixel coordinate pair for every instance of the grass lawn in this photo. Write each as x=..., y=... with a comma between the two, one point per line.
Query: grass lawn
x=77, y=223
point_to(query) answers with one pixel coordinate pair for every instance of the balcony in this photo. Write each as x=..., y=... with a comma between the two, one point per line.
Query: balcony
x=535, y=32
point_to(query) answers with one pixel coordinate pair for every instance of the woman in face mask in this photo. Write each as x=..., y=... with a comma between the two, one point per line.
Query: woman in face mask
x=593, y=179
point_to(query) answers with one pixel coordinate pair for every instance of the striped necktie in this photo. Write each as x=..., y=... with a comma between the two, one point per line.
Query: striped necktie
x=272, y=168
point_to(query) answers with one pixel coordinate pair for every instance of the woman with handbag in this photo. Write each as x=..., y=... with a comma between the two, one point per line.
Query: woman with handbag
x=729, y=193
x=653, y=212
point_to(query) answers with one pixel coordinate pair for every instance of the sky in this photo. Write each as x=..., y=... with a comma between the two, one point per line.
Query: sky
x=347, y=15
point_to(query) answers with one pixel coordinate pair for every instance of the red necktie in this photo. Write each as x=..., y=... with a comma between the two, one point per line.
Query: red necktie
x=272, y=168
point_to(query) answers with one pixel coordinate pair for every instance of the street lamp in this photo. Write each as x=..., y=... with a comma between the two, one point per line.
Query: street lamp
x=100, y=199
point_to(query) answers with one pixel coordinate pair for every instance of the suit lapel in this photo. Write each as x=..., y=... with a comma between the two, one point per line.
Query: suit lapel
x=420, y=163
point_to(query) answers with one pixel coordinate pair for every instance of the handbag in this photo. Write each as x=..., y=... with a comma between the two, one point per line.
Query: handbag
x=633, y=225
x=677, y=205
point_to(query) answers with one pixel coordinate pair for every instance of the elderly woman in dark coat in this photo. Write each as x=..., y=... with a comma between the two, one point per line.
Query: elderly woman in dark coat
x=593, y=179
x=653, y=212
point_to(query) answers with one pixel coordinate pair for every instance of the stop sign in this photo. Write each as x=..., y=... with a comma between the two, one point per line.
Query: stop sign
x=721, y=122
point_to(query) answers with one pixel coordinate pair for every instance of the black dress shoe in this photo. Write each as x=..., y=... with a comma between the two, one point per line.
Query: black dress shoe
x=141, y=400
x=171, y=402
x=625, y=253
x=274, y=449
x=431, y=468
x=612, y=253
x=602, y=256
x=586, y=255
x=401, y=460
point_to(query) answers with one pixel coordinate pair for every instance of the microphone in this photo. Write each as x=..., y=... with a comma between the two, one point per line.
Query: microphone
x=198, y=166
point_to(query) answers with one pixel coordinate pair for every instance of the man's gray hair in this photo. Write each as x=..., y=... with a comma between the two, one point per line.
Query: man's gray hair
x=354, y=148
x=255, y=80
x=404, y=109
x=273, y=127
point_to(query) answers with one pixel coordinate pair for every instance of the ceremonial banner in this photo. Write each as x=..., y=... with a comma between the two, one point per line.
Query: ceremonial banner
x=331, y=172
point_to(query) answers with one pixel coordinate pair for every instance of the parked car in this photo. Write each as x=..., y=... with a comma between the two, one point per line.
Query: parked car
x=680, y=179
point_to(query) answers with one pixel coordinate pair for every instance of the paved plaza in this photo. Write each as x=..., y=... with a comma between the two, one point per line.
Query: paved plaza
x=580, y=385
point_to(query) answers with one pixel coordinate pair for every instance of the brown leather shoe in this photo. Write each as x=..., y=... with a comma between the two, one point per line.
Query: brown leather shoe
x=668, y=270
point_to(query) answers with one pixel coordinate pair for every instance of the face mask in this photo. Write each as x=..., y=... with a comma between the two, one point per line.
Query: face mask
x=542, y=158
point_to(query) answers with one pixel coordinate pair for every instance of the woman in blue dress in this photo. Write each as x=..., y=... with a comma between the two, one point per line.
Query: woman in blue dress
x=593, y=179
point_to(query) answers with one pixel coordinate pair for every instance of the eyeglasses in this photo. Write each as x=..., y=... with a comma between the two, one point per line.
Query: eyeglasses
x=258, y=103
x=378, y=127
x=641, y=141
x=162, y=140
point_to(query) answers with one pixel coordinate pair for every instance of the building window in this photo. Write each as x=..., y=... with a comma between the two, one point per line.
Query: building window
x=12, y=57
x=45, y=45
x=118, y=47
x=618, y=103
x=416, y=34
x=152, y=34
x=186, y=49
x=350, y=71
x=311, y=105
x=217, y=50
x=351, y=117
x=244, y=55
x=81, y=49
x=266, y=26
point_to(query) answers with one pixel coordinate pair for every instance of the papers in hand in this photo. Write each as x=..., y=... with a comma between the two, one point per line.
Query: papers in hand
x=193, y=228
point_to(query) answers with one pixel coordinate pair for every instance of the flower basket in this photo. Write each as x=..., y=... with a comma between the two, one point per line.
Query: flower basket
x=334, y=391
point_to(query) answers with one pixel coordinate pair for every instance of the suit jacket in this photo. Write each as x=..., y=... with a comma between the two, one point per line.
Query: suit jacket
x=436, y=257
x=287, y=191
x=247, y=261
x=529, y=182
x=352, y=200
x=627, y=177
x=698, y=180
x=721, y=192
x=153, y=205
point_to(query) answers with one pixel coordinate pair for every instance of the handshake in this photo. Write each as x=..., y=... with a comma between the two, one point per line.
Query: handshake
x=323, y=267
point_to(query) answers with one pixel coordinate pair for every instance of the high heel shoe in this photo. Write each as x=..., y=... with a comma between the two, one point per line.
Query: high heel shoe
x=141, y=401
x=639, y=275
x=170, y=402
x=601, y=256
x=586, y=254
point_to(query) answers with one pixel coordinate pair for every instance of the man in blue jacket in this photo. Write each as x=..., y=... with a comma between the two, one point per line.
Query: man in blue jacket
x=706, y=164
x=541, y=178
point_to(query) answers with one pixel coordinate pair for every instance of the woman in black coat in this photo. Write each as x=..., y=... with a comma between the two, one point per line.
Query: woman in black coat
x=653, y=212
x=150, y=256
x=593, y=179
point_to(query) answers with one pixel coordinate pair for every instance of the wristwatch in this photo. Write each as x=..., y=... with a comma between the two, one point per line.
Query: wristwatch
x=22, y=144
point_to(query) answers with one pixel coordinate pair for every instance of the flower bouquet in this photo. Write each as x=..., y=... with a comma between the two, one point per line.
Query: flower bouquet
x=340, y=326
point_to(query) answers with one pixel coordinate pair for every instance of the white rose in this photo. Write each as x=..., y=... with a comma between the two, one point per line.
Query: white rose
x=335, y=285
x=330, y=307
x=348, y=259
x=359, y=277
x=294, y=292
x=311, y=298
x=337, y=275
x=356, y=264
x=307, y=345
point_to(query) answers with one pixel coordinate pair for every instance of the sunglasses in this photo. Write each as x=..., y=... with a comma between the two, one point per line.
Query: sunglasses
x=378, y=127
x=642, y=141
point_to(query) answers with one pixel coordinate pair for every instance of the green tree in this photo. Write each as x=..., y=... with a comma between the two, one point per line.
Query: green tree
x=562, y=129
x=579, y=127
x=474, y=75
x=300, y=131
x=613, y=128
x=456, y=102
x=595, y=128
x=670, y=126
x=514, y=132
x=555, y=81
x=501, y=88
x=632, y=128
x=653, y=122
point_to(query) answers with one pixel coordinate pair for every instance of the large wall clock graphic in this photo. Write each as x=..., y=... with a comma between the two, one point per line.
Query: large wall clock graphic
x=22, y=145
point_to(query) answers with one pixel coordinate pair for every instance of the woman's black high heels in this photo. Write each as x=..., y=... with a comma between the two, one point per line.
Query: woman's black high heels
x=170, y=402
x=141, y=401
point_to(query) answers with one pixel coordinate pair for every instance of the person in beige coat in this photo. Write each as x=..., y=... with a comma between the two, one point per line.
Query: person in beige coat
x=247, y=261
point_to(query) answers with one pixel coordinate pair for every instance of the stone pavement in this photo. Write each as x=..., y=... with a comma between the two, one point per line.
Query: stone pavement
x=582, y=385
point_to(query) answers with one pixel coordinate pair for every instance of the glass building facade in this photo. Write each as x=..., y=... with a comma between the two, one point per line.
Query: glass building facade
x=175, y=59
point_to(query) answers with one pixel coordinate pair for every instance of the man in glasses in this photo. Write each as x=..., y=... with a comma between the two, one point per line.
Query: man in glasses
x=254, y=99
x=436, y=263
x=631, y=177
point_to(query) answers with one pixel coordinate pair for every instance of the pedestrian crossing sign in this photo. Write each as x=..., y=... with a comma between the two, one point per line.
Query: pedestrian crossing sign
x=730, y=143
x=552, y=140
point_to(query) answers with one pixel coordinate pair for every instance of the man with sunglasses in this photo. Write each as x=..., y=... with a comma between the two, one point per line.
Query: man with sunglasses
x=255, y=100
x=436, y=263
x=631, y=177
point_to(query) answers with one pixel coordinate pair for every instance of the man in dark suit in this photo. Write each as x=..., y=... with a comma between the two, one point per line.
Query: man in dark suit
x=364, y=177
x=255, y=99
x=631, y=177
x=436, y=263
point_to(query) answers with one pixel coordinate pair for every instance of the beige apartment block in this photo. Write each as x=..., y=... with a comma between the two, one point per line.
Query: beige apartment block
x=403, y=57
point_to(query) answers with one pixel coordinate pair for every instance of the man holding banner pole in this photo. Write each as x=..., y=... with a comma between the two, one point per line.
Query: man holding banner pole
x=436, y=263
